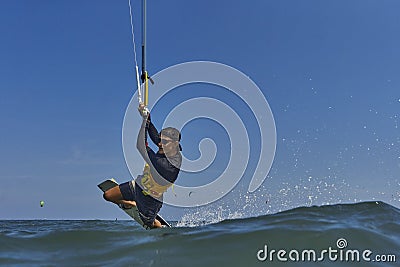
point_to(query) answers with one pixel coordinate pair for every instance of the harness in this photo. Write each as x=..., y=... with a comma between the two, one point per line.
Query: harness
x=150, y=186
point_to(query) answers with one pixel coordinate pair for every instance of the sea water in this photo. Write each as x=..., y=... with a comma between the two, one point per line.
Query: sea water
x=361, y=234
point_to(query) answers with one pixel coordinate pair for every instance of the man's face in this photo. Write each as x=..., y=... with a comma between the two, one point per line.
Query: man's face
x=167, y=144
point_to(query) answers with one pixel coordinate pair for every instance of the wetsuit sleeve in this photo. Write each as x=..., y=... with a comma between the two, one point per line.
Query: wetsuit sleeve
x=153, y=133
x=141, y=143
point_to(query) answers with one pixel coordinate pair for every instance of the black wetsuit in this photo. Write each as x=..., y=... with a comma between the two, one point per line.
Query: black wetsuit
x=164, y=171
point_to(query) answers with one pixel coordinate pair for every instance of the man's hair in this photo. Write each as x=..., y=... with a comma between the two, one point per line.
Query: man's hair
x=172, y=133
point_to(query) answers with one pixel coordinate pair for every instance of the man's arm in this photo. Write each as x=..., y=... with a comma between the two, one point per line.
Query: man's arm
x=153, y=133
x=148, y=154
x=141, y=142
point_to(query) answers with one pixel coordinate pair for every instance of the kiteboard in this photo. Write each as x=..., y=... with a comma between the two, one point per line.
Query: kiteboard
x=132, y=212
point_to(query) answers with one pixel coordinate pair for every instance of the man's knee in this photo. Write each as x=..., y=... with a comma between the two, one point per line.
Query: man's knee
x=113, y=194
x=107, y=195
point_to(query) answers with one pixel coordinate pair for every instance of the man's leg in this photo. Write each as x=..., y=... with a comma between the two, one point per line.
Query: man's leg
x=157, y=224
x=114, y=195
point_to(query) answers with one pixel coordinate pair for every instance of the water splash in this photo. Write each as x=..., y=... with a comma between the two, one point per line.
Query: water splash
x=207, y=215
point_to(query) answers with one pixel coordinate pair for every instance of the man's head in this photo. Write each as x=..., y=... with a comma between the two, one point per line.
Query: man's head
x=170, y=138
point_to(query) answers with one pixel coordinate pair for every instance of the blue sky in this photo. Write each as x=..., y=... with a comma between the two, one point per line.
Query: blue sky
x=329, y=70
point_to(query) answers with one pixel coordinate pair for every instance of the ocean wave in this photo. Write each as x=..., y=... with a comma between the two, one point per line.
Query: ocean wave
x=373, y=226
